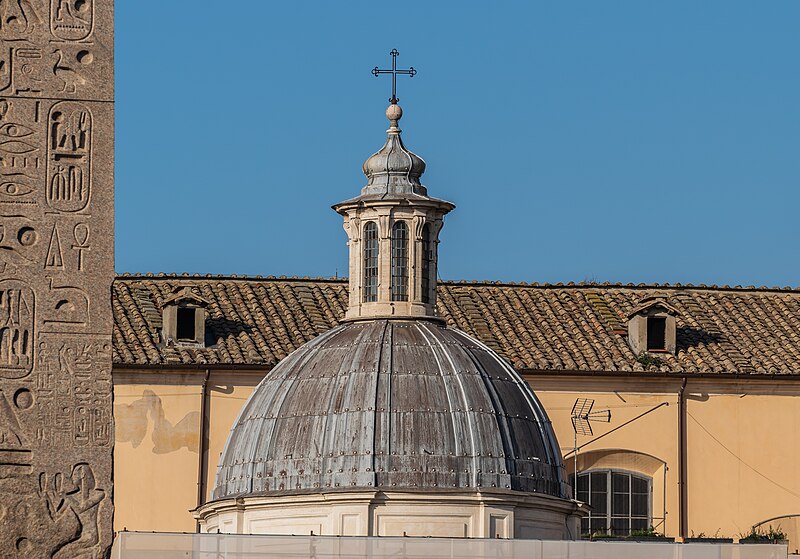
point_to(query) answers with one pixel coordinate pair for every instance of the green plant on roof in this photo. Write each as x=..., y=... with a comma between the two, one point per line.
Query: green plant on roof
x=646, y=533
x=759, y=534
x=715, y=536
x=601, y=535
x=648, y=360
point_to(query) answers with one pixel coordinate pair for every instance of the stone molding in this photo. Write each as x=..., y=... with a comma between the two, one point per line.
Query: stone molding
x=488, y=514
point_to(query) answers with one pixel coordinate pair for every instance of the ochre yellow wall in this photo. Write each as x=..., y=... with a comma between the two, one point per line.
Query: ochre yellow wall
x=158, y=439
x=644, y=446
x=744, y=451
x=155, y=455
x=227, y=395
x=743, y=443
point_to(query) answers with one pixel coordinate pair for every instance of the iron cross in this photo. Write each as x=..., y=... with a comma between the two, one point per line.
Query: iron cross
x=394, y=71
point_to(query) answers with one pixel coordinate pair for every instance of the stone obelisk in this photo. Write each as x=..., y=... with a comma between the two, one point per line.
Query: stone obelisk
x=56, y=269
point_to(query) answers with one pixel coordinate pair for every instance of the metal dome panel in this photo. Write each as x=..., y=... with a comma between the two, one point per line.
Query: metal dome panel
x=393, y=404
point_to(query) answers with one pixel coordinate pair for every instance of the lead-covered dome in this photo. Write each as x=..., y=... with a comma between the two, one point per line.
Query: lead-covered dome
x=391, y=405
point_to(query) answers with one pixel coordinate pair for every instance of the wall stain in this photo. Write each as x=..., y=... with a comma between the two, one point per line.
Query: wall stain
x=132, y=424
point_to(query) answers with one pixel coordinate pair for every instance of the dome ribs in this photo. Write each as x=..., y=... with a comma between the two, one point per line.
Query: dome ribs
x=388, y=404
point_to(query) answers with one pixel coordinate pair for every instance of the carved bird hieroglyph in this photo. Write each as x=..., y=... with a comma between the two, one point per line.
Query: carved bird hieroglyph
x=68, y=75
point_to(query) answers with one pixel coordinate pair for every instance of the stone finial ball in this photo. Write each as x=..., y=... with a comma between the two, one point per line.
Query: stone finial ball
x=394, y=112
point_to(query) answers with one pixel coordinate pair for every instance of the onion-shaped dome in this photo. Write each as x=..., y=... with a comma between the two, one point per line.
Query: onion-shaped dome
x=401, y=405
x=394, y=169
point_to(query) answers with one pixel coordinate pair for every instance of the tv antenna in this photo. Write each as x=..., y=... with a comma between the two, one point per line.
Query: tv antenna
x=582, y=418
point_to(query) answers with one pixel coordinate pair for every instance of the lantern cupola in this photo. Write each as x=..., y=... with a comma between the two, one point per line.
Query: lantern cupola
x=393, y=234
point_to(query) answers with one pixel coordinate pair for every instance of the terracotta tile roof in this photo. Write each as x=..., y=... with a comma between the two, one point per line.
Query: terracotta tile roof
x=573, y=327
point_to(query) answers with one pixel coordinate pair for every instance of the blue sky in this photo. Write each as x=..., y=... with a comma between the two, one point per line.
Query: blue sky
x=625, y=141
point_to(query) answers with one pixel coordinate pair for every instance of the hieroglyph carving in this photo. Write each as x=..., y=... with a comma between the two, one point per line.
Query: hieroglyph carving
x=81, y=235
x=56, y=269
x=16, y=329
x=54, y=258
x=66, y=308
x=69, y=155
x=74, y=392
x=60, y=519
x=15, y=449
x=20, y=159
x=19, y=18
x=19, y=240
x=20, y=22
x=71, y=20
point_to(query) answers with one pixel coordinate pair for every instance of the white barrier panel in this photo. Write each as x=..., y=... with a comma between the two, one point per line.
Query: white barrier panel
x=139, y=545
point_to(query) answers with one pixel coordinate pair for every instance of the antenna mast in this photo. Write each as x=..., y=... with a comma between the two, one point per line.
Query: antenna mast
x=582, y=417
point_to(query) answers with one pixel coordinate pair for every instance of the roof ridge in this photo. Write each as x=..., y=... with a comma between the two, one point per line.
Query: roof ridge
x=475, y=283
x=185, y=276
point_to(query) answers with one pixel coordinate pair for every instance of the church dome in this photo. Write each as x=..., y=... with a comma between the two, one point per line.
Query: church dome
x=400, y=405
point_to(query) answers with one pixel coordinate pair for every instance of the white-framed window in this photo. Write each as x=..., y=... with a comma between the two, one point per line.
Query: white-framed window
x=399, y=261
x=370, y=290
x=428, y=262
x=621, y=501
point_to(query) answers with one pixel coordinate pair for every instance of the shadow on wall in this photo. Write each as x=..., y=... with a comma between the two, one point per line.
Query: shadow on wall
x=132, y=425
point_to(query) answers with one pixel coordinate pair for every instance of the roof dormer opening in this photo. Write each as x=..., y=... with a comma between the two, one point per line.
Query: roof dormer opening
x=656, y=333
x=184, y=318
x=185, y=327
x=652, y=326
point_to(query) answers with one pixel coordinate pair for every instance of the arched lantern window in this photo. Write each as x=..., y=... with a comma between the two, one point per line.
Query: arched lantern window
x=428, y=263
x=400, y=261
x=370, y=262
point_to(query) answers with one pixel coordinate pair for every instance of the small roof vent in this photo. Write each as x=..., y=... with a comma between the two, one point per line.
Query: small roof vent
x=184, y=318
x=652, y=326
